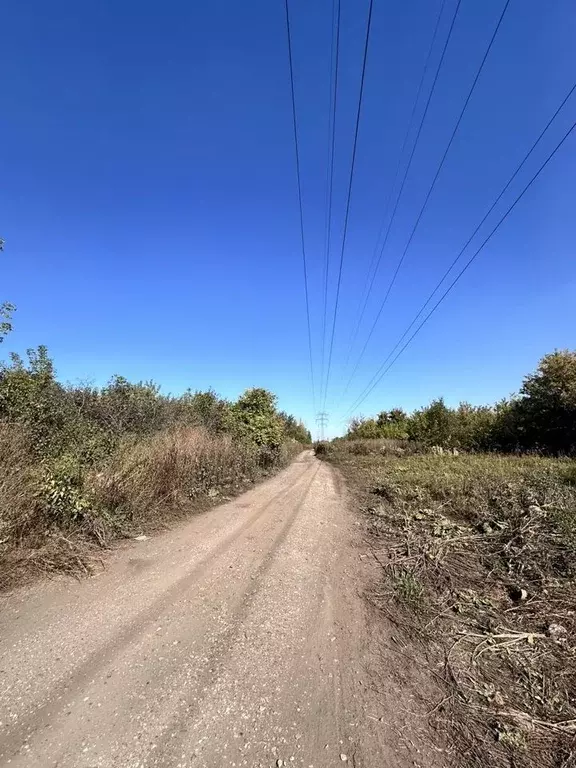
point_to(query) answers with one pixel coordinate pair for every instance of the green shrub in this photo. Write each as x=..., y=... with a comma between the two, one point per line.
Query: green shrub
x=61, y=491
x=254, y=418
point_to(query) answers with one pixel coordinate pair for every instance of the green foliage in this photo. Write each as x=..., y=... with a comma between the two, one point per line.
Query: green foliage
x=294, y=429
x=393, y=424
x=389, y=424
x=254, y=418
x=474, y=427
x=433, y=425
x=547, y=405
x=89, y=422
x=126, y=407
x=30, y=395
x=61, y=491
x=205, y=409
x=6, y=311
x=541, y=418
x=364, y=429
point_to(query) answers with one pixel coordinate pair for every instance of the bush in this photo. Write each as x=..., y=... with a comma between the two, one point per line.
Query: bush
x=546, y=410
x=254, y=418
x=61, y=492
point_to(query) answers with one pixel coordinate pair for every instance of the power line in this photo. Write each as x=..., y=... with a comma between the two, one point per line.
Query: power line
x=376, y=259
x=409, y=164
x=298, y=176
x=346, y=216
x=381, y=373
x=334, y=60
x=429, y=193
x=480, y=224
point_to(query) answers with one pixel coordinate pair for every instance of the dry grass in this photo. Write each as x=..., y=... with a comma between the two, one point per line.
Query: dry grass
x=479, y=558
x=58, y=518
x=171, y=471
x=17, y=498
x=383, y=446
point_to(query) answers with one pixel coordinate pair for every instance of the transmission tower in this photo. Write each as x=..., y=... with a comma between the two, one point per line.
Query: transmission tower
x=322, y=421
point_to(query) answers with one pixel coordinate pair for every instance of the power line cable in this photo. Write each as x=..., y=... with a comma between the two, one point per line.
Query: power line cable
x=298, y=176
x=429, y=194
x=480, y=224
x=347, y=214
x=376, y=259
x=413, y=152
x=334, y=60
x=381, y=373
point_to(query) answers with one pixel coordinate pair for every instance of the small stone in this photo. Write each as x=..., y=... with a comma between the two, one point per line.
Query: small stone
x=498, y=699
x=142, y=537
x=557, y=631
x=279, y=762
x=343, y=757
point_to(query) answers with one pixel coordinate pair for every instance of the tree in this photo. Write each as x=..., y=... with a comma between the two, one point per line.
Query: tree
x=295, y=429
x=364, y=429
x=127, y=407
x=393, y=424
x=206, y=409
x=474, y=427
x=254, y=417
x=547, y=405
x=29, y=393
x=433, y=425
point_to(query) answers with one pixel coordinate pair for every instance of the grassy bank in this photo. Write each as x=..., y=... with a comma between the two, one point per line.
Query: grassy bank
x=478, y=558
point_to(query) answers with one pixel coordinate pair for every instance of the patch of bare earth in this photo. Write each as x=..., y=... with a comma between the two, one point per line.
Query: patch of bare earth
x=474, y=600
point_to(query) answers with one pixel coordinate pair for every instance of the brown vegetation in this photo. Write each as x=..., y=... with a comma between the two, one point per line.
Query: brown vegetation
x=478, y=558
x=58, y=517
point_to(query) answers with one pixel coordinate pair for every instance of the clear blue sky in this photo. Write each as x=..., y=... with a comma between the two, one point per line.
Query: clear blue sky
x=148, y=198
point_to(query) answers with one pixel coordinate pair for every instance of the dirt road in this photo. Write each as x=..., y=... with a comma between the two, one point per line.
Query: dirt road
x=229, y=641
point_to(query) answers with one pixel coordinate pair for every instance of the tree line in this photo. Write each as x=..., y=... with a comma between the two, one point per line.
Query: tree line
x=540, y=417
x=90, y=421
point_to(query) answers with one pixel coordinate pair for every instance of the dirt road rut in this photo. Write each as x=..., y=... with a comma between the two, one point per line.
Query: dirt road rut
x=226, y=642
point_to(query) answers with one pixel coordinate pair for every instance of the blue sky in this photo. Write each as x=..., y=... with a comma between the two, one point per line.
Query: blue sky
x=148, y=193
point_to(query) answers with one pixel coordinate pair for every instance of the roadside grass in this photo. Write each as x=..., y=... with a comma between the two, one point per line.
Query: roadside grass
x=478, y=557
x=58, y=516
